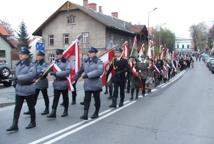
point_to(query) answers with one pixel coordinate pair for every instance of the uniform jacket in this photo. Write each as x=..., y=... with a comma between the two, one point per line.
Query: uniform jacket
x=93, y=69
x=120, y=67
x=25, y=75
x=60, y=82
x=41, y=66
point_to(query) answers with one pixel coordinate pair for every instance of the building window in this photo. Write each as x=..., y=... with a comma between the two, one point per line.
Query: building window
x=51, y=40
x=177, y=46
x=85, y=37
x=71, y=19
x=66, y=38
x=182, y=46
x=2, y=54
x=188, y=46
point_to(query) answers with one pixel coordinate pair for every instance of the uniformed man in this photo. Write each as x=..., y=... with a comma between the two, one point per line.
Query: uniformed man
x=60, y=83
x=120, y=66
x=91, y=71
x=42, y=84
x=24, y=88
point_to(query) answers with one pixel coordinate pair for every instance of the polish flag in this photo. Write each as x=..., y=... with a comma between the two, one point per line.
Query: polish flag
x=141, y=53
x=75, y=52
x=133, y=69
x=149, y=51
x=55, y=68
x=71, y=50
x=125, y=50
x=107, y=58
x=156, y=69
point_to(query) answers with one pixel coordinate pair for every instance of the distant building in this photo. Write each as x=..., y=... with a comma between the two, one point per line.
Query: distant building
x=97, y=29
x=8, y=53
x=183, y=44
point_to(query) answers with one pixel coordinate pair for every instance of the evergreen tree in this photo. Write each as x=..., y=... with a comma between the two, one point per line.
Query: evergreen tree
x=23, y=36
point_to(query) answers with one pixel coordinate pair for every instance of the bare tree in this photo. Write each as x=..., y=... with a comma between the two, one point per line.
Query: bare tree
x=199, y=35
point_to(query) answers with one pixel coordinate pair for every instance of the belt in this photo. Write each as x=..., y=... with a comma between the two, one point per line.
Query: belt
x=61, y=79
x=25, y=83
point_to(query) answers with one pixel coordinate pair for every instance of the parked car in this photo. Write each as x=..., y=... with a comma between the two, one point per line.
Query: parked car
x=209, y=62
x=211, y=65
x=5, y=75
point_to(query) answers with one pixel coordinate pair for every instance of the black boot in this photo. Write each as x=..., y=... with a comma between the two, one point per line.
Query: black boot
x=14, y=126
x=62, y=104
x=85, y=115
x=95, y=115
x=82, y=103
x=46, y=111
x=110, y=97
x=52, y=114
x=137, y=91
x=65, y=113
x=73, y=99
x=31, y=125
x=114, y=103
x=27, y=113
x=121, y=103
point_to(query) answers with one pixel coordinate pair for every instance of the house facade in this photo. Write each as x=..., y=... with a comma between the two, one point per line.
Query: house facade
x=183, y=44
x=97, y=29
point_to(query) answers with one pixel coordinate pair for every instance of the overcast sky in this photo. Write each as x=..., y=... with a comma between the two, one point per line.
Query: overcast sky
x=177, y=15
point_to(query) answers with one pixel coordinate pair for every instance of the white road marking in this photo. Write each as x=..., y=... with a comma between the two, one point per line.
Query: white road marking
x=87, y=125
x=65, y=129
x=153, y=90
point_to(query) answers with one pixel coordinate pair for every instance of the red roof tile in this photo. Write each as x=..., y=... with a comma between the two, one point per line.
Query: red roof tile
x=3, y=31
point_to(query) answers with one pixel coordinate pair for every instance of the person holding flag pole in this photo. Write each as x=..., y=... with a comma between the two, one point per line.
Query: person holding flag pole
x=120, y=66
x=61, y=70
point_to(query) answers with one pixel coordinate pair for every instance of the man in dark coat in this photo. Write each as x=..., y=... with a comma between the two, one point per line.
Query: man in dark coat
x=120, y=66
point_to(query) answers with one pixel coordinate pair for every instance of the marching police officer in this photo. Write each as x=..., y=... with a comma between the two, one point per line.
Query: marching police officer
x=120, y=66
x=24, y=88
x=42, y=84
x=91, y=70
x=60, y=83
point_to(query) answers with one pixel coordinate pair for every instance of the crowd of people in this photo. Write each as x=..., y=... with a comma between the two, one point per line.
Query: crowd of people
x=124, y=75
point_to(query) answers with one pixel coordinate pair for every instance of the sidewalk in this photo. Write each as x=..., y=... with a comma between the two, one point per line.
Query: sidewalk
x=7, y=95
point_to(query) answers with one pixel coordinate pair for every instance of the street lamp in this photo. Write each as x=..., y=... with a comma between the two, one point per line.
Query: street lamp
x=148, y=21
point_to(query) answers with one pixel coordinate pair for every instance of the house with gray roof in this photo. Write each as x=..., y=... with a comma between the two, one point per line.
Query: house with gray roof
x=97, y=29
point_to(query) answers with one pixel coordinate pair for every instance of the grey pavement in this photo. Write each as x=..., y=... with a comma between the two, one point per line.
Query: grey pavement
x=180, y=112
x=7, y=94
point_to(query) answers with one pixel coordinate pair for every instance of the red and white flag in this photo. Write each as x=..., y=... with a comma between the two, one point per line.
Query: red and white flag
x=141, y=53
x=106, y=58
x=55, y=68
x=74, y=52
x=125, y=50
x=133, y=69
x=156, y=69
x=71, y=50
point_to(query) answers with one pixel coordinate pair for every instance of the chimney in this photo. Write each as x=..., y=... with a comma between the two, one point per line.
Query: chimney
x=85, y=3
x=114, y=14
x=93, y=6
x=100, y=9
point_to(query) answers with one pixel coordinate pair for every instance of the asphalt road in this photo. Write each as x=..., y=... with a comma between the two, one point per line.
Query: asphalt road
x=179, y=112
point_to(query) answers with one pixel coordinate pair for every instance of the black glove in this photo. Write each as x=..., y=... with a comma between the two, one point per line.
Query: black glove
x=53, y=73
x=85, y=76
x=14, y=79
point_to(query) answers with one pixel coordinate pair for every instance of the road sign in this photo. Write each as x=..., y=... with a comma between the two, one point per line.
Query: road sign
x=40, y=46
